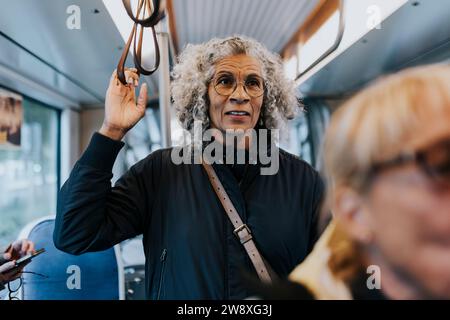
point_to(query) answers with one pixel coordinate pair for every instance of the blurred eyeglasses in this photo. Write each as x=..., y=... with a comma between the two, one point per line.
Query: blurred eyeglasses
x=225, y=85
x=433, y=161
x=14, y=286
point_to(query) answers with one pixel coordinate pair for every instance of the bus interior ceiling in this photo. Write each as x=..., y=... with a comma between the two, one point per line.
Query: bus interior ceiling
x=77, y=64
x=415, y=34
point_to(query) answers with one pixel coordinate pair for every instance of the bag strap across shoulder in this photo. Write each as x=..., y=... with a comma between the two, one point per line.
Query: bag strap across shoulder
x=241, y=230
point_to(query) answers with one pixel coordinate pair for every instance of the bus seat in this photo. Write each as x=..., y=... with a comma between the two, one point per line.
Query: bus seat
x=90, y=276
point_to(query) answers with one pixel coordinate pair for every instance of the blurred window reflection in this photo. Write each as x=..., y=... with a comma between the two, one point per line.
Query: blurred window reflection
x=305, y=132
x=143, y=139
x=29, y=173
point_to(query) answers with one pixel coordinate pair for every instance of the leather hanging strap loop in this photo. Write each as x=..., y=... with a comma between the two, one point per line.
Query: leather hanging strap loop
x=144, y=6
x=153, y=19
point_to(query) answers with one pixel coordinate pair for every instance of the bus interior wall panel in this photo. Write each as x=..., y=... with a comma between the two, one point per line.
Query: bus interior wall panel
x=413, y=35
x=42, y=29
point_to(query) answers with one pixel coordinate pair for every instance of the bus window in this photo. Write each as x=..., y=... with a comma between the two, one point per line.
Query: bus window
x=29, y=172
x=313, y=38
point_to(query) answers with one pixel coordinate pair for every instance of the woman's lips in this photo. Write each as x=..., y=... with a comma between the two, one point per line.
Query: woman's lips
x=237, y=115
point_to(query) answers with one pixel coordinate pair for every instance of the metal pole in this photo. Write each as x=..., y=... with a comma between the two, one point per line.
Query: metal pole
x=164, y=89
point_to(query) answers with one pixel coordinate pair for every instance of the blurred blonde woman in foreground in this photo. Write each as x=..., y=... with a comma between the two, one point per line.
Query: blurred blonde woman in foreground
x=387, y=158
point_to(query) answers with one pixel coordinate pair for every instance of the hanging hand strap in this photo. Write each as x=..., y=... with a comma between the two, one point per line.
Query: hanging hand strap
x=144, y=6
x=241, y=230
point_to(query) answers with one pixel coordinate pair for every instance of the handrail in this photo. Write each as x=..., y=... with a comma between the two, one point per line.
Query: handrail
x=336, y=43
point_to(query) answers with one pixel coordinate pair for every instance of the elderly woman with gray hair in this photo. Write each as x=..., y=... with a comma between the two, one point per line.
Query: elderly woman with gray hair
x=204, y=225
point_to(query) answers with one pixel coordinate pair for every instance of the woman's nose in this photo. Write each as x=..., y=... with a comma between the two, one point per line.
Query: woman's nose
x=239, y=96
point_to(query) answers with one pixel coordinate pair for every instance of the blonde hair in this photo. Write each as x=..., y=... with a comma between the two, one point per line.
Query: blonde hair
x=371, y=127
x=196, y=69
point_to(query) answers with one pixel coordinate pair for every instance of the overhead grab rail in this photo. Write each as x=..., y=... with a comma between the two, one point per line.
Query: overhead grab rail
x=158, y=13
x=337, y=42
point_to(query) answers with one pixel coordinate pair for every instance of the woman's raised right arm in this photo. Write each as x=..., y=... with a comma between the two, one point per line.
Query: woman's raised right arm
x=91, y=214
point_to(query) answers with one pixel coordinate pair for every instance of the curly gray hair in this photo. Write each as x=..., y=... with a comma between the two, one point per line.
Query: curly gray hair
x=195, y=69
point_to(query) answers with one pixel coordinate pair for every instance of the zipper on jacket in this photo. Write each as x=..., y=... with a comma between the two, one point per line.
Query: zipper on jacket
x=161, y=276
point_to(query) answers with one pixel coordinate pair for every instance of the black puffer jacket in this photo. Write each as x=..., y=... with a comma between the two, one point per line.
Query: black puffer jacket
x=191, y=251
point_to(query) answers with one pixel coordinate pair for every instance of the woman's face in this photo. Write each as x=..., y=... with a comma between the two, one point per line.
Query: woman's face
x=408, y=218
x=238, y=110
